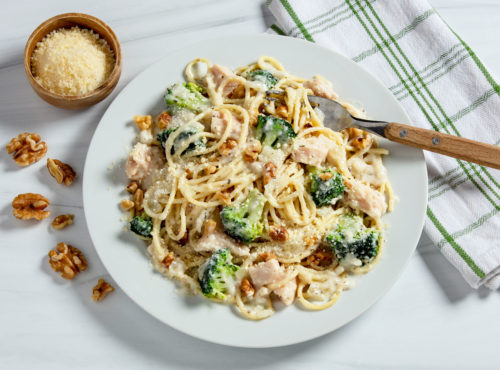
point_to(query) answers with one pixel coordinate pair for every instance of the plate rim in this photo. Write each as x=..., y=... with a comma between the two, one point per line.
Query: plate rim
x=179, y=328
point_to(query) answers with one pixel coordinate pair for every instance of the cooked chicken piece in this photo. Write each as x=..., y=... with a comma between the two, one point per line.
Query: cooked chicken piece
x=140, y=161
x=217, y=240
x=286, y=293
x=265, y=273
x=321, y=87
x=312, y=150
x=219, y=124
x=220, y=73
x=365, y=198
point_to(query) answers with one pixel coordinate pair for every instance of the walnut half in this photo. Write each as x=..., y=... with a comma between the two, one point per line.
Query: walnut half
x=143, y=122
x=62, y=172
x=278, y=233
x=27, y=148
x=247, y=288
x=30, y=205
x=67, y=260
x=101, y=290
x=61, y=221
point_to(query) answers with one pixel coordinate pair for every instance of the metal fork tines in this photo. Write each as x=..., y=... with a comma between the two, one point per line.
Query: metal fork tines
x=337, y=117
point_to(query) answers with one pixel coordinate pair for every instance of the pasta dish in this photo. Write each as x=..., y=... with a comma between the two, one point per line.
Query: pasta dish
x=244, y=197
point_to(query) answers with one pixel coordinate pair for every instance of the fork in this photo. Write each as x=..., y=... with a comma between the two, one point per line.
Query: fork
x=338, y=118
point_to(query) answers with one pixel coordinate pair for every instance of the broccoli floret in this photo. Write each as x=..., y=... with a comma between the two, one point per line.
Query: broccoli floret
x=216, y=275
x=352, y=237
x=244, y=221
x=325, y=186
x=273, y=131
x=187, y=131
x=186, y=96
x=263, y=76
x=142, y=225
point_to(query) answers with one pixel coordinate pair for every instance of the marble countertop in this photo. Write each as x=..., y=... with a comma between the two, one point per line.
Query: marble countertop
x=429, y=319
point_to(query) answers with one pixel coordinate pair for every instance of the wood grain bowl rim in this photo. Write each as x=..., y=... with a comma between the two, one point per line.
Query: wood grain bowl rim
x=74, y=19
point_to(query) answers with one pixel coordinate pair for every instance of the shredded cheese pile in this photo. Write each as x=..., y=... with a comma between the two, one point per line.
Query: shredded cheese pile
x=72, y=61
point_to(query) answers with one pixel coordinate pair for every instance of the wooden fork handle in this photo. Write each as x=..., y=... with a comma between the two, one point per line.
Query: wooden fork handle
x=452, y=146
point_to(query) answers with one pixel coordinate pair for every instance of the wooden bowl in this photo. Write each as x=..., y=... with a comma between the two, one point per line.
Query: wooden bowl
x=69, y=20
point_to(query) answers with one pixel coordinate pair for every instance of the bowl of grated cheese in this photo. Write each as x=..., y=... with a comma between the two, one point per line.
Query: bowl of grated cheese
x=73, y=60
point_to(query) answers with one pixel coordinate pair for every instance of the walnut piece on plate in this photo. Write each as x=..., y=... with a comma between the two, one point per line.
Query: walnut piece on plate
x=30, y=205
x=127, y=204
x=101, y=290
x=252, y=151
x=61, y=221
x=163, y=120
x=62, y=172
x=168, y=259
x=143, y=122
x=278, y=233
x=26, y=148
x=67, y=260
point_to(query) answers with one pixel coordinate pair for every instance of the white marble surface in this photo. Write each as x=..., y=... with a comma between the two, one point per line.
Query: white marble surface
x=429, y=319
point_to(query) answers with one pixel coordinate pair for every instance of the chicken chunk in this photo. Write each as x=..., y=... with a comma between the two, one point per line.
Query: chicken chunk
x=321, y=87
x=365, y=198
x=312, y=150
x=286, y=292
x=219, y=124
x=220, y=73
x=217, y=240
x=140, y=161
x=265, y=273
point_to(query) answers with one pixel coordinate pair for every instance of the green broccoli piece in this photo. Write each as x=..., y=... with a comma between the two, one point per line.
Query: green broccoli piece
x=352, y=237
x=244, y=221
x=142, y=225
x=325, y=186
x=263, y=76
x=186, y=96
x=216, y=274
x=273, y=131
x=187, y=131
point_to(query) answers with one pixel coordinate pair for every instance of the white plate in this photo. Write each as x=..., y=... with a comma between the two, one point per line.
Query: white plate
x=125, y=257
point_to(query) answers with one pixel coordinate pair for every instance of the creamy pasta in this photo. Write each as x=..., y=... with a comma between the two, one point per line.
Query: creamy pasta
x=251, y=200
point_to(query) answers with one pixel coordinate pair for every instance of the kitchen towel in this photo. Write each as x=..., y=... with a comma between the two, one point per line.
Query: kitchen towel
x=443, y=86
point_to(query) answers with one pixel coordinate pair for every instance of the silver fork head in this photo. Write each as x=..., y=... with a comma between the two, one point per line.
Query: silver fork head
x=336, y=118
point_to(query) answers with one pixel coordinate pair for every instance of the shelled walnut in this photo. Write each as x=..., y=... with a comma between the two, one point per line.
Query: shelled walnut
x=228, y=146
x=101, y=290
x=168, y=259
x=209, y=227
x=26, y=148
x=30, y=205
x=143, y=122
x=269, y=172
x=62, y=172
x=163, y=120
x=61, y=221
x=247, y=288
x=67, y=260
x=252, y=151
x=132, y=187
x=138, y=198
x=266, y=256
x=278, y=233
x=127, y=204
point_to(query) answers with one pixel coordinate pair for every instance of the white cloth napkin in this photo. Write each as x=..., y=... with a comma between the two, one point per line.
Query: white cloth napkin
x=443, y=86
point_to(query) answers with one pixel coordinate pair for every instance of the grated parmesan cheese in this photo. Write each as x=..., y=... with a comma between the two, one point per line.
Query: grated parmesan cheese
x=72, y=61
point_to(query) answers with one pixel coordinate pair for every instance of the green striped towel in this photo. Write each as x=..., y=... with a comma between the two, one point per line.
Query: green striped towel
x=443, y=86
